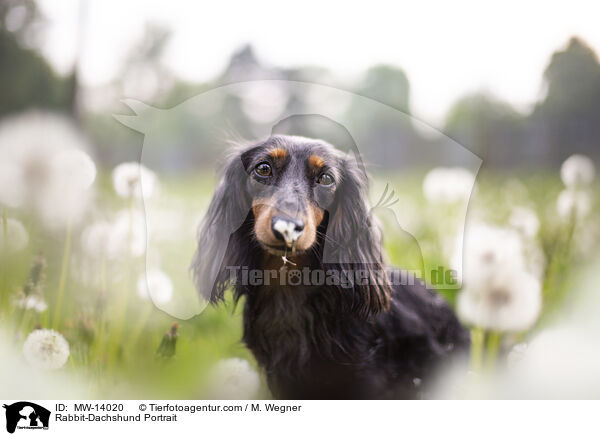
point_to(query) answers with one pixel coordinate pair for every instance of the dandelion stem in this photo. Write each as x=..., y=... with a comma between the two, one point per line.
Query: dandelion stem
x=119, y=325
x=128, y=275
x=63, y=277
x=477, y=340
x=25, y=318
x=493, y=345
x=560, y=258
x=99, y=346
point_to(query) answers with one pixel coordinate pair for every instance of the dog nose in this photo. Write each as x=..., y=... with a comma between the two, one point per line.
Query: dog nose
x=287, y=229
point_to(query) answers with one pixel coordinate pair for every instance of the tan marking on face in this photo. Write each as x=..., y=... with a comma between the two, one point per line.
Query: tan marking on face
x=315, y=161
x=278, y=153
x=317, y=213
x=313, y=218
x=263, y=211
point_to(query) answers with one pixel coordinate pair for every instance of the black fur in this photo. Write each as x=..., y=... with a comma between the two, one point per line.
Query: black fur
x=367, y=341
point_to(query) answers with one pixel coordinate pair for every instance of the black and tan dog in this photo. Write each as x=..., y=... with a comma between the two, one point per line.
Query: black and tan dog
x=303, y=210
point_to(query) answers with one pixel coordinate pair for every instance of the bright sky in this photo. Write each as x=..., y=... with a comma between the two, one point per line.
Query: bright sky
x=446, y=48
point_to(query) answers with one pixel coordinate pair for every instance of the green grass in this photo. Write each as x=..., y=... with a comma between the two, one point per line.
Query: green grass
x=113, y=334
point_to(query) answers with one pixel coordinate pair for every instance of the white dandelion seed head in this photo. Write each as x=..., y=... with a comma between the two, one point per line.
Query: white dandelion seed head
x=75, y=167
x=62, y=205
x=95, y=239
x=32, y=302
x=16, y=237
x=132, y=179
x=233, y=379
x=20, y=380
x=484, y=250
x=39, y=151
x=448, y=185
x=33, y=136
x=156, y=285
x=573, y=203
x=67, y=198
x=12, y=192
x=128, y=234
x=505, y=302
x=46, y=349
x=577, y=171
x=524, y=220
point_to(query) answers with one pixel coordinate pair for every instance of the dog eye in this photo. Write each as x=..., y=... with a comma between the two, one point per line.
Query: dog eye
x=263, y=169
x=325, y=179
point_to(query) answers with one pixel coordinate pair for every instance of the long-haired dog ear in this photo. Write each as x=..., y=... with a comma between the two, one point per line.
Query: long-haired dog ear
x=352, y=244
x=226, y=214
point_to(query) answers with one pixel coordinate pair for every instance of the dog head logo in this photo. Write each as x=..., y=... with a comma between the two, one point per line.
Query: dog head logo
x=198, y=132
x=26, y=415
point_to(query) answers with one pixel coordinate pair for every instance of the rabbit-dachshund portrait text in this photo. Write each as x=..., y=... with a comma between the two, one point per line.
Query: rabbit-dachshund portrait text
x=303, y=210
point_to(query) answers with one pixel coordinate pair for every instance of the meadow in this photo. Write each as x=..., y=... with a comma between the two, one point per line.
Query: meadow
x=91, y=291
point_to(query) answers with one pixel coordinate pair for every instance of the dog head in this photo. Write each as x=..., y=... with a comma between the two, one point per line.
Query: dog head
x=292, y=182
x=292, y=196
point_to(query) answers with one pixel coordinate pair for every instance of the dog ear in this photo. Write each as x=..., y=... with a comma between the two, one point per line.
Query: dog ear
x=225, y=217
x=352, y=244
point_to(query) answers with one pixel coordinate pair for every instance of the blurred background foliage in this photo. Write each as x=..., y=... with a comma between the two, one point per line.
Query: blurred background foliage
x=564, y=120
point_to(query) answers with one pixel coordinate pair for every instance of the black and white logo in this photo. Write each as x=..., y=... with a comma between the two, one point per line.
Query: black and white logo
x=26, y=415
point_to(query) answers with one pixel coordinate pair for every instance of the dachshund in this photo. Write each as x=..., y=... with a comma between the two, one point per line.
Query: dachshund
x=290, y=230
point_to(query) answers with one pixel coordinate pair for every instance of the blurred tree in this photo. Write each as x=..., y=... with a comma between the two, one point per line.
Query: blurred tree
x=568, y=118
x=388, y=85
x=26, y=79
x=244, y=65
x=143, y=75
x=391, y=138
x=565, y=121
x=490, y=128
